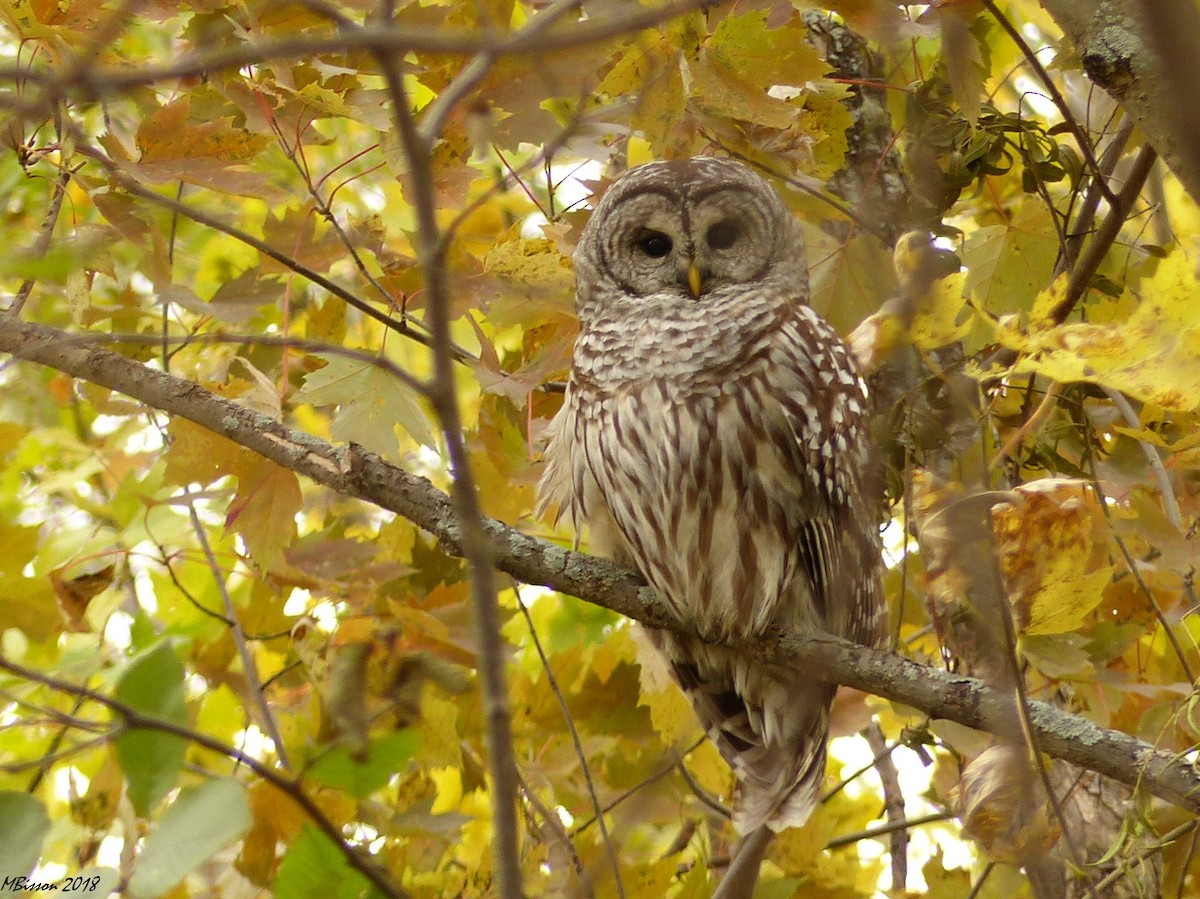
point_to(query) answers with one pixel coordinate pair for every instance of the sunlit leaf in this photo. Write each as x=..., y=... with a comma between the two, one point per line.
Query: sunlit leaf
x=1154, y=355
x=371, y=404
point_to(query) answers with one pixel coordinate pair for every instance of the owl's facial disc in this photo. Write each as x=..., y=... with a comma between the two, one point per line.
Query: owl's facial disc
x=686, y=234
x=694, y=242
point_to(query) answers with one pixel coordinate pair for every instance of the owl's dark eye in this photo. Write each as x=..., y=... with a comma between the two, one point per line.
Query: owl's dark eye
x=722, y=235
x=654, y=244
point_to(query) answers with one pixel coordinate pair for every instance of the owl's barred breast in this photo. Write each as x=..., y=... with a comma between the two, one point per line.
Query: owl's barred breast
x=692, y=346
x=676, y=448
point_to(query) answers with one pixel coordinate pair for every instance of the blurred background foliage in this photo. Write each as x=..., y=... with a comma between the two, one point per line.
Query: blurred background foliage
x=217, y=189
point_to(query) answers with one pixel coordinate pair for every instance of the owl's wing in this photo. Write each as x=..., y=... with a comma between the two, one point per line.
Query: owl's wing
x=825, y=406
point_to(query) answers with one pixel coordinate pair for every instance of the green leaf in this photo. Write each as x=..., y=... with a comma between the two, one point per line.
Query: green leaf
x=1008, y=264
x=385, y=757
x=314, y=868
x=151, y=759
x=201, y=822
x=23, y=826
x=372, y=402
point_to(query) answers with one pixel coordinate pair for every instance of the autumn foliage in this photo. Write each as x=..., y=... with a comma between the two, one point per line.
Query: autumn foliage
x=225, y=673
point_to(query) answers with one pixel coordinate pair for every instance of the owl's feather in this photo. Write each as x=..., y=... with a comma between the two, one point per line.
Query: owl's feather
x=717, y=443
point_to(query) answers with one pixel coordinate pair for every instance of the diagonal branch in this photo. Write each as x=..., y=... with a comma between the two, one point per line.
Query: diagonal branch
x=354, y=472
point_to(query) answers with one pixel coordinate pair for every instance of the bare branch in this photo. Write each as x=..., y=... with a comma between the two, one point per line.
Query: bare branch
x=584, y=767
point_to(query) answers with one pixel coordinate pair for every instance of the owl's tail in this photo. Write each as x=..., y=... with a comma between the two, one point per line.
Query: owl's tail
x=770, y=724
x=779, y=785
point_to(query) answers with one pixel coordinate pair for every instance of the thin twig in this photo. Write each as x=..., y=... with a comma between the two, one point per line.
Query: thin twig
x=48, y=756
x=554, y=825
x=1079, y=228
x=1170, y=504
x=1102, y=241
x=584, y=767
x=1035, y=421
x=702, y=794
x=1123, y=870
x=1186, y=865
x=249, y=666
x=637, y=787
x=977, y=887
x=859, y=772
x=893, y=803
x=43, y=240
x=892, y=827
x=1085, y=144
x=209, y=221
x=1134, y=571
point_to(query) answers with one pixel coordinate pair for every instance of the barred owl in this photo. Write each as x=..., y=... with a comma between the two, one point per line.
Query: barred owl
x=713, y=436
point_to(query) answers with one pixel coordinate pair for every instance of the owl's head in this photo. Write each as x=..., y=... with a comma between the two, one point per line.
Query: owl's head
x=676, y=236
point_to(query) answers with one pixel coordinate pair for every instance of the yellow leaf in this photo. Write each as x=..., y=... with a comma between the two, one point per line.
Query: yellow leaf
x=631, y=70
x=670, y=712
x=449, y=790
x=531, y=262
x=800, y=851
x=617, y=648
x=710, y=770
x=1154, y=355
x=197, y=455
x=765, y=56
x=264, y=509
x=936, y=321
x=1051, y=544
x=722, y=91
x=661, y=103
x=822, y=128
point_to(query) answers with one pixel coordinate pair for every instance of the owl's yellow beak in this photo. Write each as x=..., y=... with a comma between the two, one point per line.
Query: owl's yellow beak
x=694, y=280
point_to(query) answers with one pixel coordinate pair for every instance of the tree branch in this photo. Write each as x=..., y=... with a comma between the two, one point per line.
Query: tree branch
x=101, y=81
x=354, y=472
x=1141, y=53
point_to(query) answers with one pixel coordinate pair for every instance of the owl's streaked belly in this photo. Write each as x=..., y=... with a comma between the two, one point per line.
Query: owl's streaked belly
x=696, y=494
